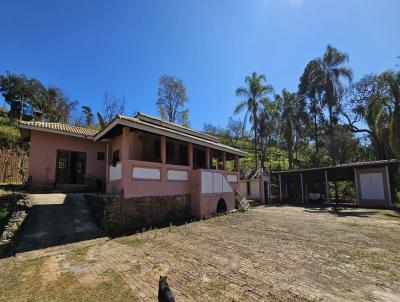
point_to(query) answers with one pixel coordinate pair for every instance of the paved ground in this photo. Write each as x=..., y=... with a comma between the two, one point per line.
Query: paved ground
x=57, y=219
x=270, y=254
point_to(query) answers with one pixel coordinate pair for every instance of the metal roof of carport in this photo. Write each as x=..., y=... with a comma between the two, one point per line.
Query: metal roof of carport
x=339, y=172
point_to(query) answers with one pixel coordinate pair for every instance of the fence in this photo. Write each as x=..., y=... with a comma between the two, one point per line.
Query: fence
x=13, y=165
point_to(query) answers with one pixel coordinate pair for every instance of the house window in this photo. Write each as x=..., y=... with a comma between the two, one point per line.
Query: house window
x=100, y=156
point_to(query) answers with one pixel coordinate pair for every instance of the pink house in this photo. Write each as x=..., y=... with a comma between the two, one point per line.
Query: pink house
x=137, y=156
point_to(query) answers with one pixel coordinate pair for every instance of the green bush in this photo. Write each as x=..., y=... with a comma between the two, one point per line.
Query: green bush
x=10, y=137
x=4, y=119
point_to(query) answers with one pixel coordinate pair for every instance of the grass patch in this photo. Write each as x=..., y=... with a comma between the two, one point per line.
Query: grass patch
x=216, y=288
x=355, y=224
x=133, y=241
x=23, y=282
x=392, y=213
x=79, y=253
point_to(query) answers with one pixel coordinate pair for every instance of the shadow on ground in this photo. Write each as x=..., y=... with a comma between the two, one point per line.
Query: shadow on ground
x=337, y=210
x=57, y=219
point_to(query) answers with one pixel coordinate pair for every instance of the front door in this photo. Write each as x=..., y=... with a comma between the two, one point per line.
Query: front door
x=70, y=167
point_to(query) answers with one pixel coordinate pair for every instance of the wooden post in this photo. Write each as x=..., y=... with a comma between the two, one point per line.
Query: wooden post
x=302, y=187
x=237, y=163
x=108, y=160
x=328, y=198
x=306, y=199
x=163, y=149
x=208, y=158
x=125, y=144
x=190, y=155
x=356, y=186
x=286, y=191
x=224, y=160
x=280, y=188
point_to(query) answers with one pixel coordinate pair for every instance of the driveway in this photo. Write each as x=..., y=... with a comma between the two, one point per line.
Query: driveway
x=57, y=219
x=273, y=253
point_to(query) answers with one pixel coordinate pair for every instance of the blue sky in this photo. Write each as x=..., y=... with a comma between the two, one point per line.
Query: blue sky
x=88, y=48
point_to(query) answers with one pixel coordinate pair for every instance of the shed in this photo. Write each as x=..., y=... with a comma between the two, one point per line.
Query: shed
x=370, y=180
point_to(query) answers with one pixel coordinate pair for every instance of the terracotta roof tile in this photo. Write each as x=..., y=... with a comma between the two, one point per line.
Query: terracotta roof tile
x=58, y=127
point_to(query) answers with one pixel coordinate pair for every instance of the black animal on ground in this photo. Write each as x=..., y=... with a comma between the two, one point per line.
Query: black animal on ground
x=164, y=292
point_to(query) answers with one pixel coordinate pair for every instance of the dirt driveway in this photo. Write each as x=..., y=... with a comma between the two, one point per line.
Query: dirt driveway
x=270, y=254
x=57, y=219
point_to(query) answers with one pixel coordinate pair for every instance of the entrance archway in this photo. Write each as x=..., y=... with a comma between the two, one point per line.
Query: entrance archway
x=221, y=207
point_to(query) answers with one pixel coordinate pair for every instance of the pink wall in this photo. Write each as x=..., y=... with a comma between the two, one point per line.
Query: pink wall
x=136, y=187
x=43, y=155
x=203, y=205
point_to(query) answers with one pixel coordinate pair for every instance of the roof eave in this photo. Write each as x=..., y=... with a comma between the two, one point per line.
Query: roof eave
x=151, y=129
x=42, y=129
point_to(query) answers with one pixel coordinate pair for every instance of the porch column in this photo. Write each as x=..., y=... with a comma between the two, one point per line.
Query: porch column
x=280, y=187
x=208, y=158
x=107, y=167
x=286, y=191
x=261, y=188
x=237, y=163
x=190, y=155
x=125, y=144
x=163, y=149
x=356, y=186
x=302, y=187
x=328, y=198
x=388, y=186
x=224, y=160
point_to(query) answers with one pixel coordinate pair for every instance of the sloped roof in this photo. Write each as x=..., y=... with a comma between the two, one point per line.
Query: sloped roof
x=250, y=174
x=59, y=128
x=153, y=120
x=141, y=124
x=361, y=164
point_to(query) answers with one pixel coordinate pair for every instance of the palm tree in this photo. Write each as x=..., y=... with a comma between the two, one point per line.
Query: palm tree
x=311, y=88
x=252, y=97
x=325, y=75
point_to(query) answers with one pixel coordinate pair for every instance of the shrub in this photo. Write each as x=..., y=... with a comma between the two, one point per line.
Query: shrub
x=10, y=137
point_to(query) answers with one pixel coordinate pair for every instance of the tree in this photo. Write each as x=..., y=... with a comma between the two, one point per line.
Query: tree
x=113, y=106
x=100, y=118
x=311, y=89
x=325, y=75
x=375, y=100
x=268, y=128
x=87, y=111
x=57, y=107
x=51, y=102
x=252, y=98
x=391, y=83
x=23, y=89
x=172, y=99
x=293, y=121
x=234, y=131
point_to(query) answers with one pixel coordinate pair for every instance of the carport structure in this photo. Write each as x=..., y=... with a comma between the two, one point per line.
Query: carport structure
x=369, y=180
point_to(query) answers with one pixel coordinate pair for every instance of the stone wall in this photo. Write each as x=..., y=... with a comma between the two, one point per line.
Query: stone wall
x=19, y=202
x=13, y=165
x=117, y=215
